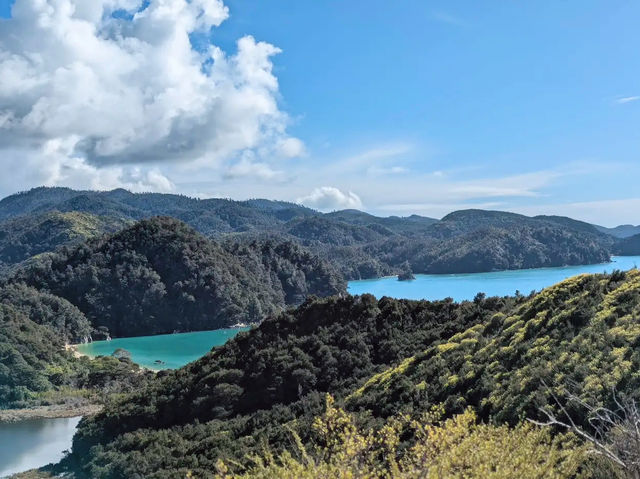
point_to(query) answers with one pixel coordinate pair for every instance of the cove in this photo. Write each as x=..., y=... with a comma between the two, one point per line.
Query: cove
x=173, y=350
x=462, y=287
x=34, y=443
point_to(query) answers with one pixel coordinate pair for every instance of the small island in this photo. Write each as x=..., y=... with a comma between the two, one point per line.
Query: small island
x=406, y=273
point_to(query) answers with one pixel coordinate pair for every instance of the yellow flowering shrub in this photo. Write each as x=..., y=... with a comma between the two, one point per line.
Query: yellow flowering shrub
x=454, y=448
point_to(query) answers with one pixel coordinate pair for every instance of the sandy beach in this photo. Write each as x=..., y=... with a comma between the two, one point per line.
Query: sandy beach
x=48, y=412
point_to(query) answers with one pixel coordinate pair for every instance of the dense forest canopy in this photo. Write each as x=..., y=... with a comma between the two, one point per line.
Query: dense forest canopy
x=160, y=275
x=628, y=246
x=581, y=333
x=26, y=236
x=156, y=276
x=255, y=384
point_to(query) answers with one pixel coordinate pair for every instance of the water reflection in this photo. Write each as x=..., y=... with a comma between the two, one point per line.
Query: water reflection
x=34, y=443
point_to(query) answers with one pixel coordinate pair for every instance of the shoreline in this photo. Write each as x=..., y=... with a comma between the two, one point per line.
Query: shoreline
x=48, y=412
x=74, y=350
x=612, y=260
x=77, y=354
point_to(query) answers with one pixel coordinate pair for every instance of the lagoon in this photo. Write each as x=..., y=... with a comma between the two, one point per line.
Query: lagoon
x=173, y=350
x=462, y=287
x=34, y=443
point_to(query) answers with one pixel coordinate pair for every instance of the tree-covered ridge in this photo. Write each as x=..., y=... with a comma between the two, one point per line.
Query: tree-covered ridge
x=629, y=246
x=26, y=356
x=359, y=245
x=160, y=275
x=498, y=356
x=156, y=276
x=254, y=385
x=211, y=216
x=410, y=225
x=621, y=231
x=580, y=334
x=291, y=270
x=517, y=248
x=59, y=315
x=462, y=242
x=477, y=240
x=26, y=236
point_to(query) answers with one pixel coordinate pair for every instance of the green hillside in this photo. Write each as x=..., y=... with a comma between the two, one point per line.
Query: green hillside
x=580, y=334
x=379, y=359
x=156, y=276
x=159, y=276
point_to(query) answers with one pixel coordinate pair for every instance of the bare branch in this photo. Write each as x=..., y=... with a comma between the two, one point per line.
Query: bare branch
x=616, y=433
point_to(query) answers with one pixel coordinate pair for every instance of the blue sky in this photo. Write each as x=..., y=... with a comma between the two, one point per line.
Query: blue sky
x=424, y=107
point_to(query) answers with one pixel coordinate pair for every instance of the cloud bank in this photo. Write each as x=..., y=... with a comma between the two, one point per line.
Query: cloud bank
x=104, y=93
x=329, y=198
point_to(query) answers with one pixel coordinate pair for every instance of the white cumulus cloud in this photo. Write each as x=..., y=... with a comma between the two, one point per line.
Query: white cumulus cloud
x=114, y=89
x=247, y=167
x=328, y=198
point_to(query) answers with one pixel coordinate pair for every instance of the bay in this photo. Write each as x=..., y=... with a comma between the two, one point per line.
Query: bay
x=462, y=287
x=172, y=350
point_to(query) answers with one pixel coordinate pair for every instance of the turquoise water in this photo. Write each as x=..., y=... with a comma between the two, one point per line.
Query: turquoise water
x=34, y=443
x=466, y=286
x=174, y=350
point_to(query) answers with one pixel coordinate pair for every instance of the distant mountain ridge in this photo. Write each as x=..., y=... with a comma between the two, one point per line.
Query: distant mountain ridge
x=628, y=246
x=209, y=216
x=358, y=244
x=622, y=231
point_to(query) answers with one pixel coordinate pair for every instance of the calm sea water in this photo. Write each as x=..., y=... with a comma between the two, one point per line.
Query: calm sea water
x=35, y=443
x=466, y=286
x=174, y=350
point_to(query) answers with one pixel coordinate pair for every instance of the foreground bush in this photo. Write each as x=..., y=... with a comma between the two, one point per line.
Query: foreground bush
x=427, y=448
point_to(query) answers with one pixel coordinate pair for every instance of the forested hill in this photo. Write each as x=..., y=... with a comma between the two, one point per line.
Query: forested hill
x=357, y=244
x=476, y=240
x=225, y=404
x=378, y=358
x=26, y=236
x=160, y=275
x=629, y=246
x=622, y=231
